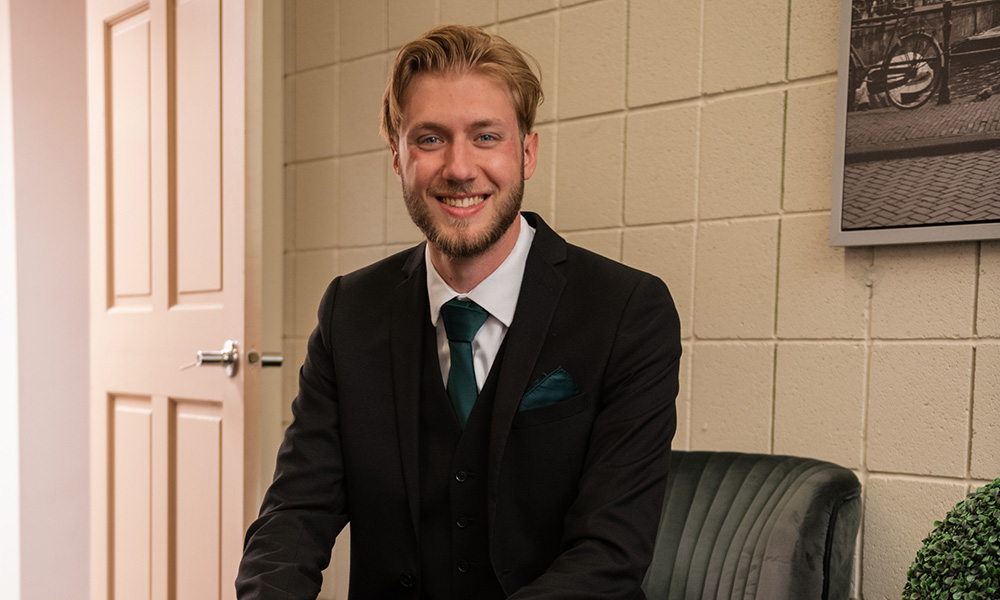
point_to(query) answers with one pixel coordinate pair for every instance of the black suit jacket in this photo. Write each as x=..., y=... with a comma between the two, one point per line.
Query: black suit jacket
x=574, y=488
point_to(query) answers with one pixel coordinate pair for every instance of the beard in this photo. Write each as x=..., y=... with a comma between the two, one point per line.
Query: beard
x=463, y=244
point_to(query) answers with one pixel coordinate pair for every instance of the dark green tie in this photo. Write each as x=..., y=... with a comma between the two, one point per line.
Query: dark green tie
x=462, y=319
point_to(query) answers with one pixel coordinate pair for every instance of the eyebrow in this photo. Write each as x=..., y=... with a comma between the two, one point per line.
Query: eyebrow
x=432, y=126
x=486, y=123
x=426, y=126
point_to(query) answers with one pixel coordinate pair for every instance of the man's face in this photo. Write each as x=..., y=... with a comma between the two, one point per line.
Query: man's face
x=461, y=160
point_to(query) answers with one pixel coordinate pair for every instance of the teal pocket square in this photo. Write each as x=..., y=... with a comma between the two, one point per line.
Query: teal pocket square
x=549, y=389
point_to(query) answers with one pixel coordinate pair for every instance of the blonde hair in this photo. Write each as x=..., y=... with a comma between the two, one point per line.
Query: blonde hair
x=458, y=49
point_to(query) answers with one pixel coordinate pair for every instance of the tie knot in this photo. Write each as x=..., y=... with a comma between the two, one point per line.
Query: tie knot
x=462, y=319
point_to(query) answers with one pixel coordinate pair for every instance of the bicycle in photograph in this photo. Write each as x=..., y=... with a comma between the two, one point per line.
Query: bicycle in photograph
x=910, y=70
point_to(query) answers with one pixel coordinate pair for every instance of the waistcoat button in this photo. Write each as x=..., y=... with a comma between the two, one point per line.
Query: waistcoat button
x=461, y=476
x=406, y=580
x=462, y=522
x=463, y=566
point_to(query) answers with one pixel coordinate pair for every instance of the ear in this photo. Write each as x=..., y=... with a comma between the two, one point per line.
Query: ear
x=395, y=157
x=530, y=152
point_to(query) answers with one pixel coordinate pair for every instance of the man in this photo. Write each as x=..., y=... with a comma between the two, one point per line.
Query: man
x=523, y=457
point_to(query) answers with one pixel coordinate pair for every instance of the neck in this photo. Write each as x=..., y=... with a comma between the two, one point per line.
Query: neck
x=463, y=274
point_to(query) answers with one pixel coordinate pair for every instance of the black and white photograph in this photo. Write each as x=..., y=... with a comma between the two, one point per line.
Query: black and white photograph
x=918, y=151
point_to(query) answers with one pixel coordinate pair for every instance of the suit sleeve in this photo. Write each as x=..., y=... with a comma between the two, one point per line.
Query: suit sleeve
x=610, y=529
x=304, y=509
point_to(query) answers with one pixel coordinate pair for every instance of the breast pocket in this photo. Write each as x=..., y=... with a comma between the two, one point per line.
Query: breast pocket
x=553, y=413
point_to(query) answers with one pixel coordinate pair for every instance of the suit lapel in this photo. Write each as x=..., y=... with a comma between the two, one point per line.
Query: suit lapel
x=409, y=312
x=541, y=289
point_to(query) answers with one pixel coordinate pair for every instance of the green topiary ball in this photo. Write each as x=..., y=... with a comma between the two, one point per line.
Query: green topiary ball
x=960, y=559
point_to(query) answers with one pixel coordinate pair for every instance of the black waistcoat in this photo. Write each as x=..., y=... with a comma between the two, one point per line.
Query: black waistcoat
x=454, y=541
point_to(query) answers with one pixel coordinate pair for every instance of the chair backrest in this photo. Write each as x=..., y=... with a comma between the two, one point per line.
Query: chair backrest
x=755, y=526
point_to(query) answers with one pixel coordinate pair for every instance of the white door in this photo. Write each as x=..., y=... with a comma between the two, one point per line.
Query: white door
x=173, y=452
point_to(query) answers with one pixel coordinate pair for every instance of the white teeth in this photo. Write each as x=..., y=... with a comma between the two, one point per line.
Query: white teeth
x=462, y=202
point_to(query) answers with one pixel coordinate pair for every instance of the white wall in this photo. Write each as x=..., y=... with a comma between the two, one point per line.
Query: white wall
x=49, y=185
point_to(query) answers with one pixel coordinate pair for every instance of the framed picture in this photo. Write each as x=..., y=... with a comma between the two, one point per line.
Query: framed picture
x=917, y=155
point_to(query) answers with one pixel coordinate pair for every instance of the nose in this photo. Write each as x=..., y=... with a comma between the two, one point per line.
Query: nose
x=459, y=163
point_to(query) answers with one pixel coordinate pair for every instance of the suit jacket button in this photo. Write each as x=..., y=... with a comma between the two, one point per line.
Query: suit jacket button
x=462, y=522
x=461, y=476
x=463, y=566
x=406, y=580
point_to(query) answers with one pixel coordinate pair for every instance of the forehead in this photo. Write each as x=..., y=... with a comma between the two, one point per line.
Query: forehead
x=455, y=97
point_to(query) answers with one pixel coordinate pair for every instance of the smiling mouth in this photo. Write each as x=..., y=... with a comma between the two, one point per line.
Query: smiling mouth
x=463, y=202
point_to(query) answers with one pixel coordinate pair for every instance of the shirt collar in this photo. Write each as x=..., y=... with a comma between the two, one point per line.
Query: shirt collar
x=497, y=293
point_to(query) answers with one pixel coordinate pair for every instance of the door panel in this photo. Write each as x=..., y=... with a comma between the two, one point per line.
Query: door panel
x=131, y=480
x=173, y=451
x=129, y=211
x=199, y=168
x=198, y=464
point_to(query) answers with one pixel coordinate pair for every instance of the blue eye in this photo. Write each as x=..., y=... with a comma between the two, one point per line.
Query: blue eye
x=431, y=139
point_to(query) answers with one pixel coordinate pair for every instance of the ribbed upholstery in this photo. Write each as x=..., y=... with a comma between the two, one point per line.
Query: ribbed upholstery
x=755, y=526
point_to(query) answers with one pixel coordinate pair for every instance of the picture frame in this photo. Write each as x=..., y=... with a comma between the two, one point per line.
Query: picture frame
x=917, y=140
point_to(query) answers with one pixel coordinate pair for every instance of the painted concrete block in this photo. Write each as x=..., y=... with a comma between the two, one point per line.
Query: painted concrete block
x=744, y=51
x=468, y=12
x=731, y=396
x=809, y=149
x=589, y=173
x=513, y=9
x=918, y=408
x=814, y=38
x=316, y=205
x=363, y=29
x=316, y=110
x=362, y=84
x=316, y=33
x=661, y=166
x=741, y=143
x=288, y=206
x=988, y=308
x=592, y=59
x=819, y=401
x=924, y=291
x=664, y=51
x=289, y=307
x=288, y=115
x=735, y=279
x=985, y=462
x=822, y=291
x=409, y=19
x=289, y=37
x=361, y=217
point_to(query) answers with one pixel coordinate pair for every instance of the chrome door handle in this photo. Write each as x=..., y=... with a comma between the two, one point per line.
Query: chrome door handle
x=229, y=357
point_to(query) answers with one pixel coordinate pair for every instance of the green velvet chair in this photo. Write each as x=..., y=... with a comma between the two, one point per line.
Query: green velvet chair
x=755, y=526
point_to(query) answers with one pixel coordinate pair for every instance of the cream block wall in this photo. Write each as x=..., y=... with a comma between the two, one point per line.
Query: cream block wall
x=692, y=139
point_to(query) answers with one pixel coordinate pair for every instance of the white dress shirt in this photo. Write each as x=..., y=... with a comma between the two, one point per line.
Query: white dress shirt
x=497, y=294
